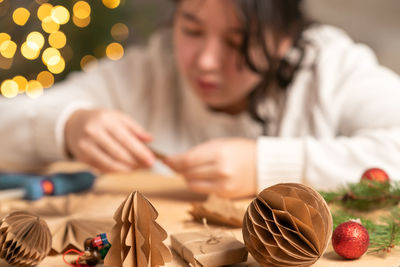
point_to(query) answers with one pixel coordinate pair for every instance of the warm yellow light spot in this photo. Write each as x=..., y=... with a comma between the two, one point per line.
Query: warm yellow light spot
x=81, y=10
x=9, y=88
x=114, y=51
x=34, y=89
x=57, y=68
x=35, y=40
x=51, y=56
x=45, y=78
x=1, y=1
x=4, y=37
x=60, y=14
x=49, y=25
x=21, y=16
x=8, y=48
x=44, y=11
x=57, y=39
x=119, y=32
x=82, y=23
x=22, y=82
x=111, y=3
x=87, y=62
x=29, y=52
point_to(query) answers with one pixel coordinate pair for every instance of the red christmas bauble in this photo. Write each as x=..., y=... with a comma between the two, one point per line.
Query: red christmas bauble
x=350, y=240
x=375, y=174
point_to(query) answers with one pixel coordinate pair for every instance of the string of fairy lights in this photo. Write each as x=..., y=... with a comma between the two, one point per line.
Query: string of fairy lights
x=45, y=44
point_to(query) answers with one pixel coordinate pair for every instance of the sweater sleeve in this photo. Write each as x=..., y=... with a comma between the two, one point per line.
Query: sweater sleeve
x=359, y=98
x=33, y=132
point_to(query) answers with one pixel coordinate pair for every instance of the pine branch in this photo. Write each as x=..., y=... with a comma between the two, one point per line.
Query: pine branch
x=366, y=195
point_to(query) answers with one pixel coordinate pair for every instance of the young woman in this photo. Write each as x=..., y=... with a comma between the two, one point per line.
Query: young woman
x=240, y=94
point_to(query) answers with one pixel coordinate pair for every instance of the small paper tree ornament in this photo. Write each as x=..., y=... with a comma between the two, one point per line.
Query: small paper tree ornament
x=287, y=225
x=136, y=238
x=25, y=239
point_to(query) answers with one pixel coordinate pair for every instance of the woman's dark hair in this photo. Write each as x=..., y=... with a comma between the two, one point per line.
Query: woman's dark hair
x=281, y=19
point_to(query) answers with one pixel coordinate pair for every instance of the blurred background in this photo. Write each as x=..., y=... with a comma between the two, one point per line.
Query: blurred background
x=41, y=41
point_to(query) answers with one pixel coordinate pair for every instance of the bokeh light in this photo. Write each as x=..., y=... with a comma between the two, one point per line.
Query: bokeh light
x=45, y=19
x=58, y=67
x=119, y=32
x=111, y=3
x=9, y=88
x=35, y=40
x=29, y=52
x=87, y=62
x=8, y=48
x=4, y=37
x=57, y=39
x=22, y=82
x=21, y=16
x=51, y=56
x=44, y=11
x=34, y=89
x=49, y=25
x=114, y=51
x=81, y=10
x=81, y=23
x=45, y=78
x=60, y=15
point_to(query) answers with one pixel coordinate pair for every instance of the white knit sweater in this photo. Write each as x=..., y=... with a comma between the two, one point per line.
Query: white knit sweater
x=341, y=113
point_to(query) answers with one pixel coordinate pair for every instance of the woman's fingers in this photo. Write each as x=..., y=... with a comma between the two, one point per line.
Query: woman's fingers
x=96, y=157
x=203, y=172
x=194, y=158
x=133, y=145
x=113, y=148
x=118, y=137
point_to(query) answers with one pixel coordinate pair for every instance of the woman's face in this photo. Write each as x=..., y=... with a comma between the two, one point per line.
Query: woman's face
x=207, y=38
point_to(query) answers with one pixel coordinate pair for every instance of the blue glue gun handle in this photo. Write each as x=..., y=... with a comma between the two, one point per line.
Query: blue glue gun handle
x=66, y=183
x=15, y=180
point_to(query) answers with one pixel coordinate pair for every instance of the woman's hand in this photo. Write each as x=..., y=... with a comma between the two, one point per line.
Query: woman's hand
x=108, y=140
x=226, y=167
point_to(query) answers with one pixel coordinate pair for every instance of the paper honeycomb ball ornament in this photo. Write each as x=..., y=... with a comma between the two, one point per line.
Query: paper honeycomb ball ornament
x=287, y=225
x=25, y=239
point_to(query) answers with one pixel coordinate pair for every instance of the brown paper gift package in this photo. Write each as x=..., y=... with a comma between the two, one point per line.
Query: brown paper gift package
x=208, y=248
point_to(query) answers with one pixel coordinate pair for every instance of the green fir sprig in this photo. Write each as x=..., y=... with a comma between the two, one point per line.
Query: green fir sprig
x=384, y=234
x=365, y=195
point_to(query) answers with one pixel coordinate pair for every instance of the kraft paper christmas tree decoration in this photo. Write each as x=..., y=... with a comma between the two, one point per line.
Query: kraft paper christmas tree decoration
x=25, y=239
x=218, y=211
x=136, y=238
x=287, y=225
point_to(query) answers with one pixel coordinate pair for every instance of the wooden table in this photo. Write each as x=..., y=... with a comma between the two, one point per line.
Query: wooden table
x=172, y=200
